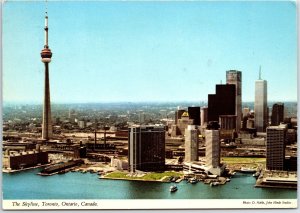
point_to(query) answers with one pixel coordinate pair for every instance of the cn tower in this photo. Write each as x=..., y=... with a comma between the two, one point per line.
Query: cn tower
x=46, y=55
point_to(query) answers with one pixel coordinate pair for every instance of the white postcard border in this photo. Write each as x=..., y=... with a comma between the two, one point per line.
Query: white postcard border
x=150, y=204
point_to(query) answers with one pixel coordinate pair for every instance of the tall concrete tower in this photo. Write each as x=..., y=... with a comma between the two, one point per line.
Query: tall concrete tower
x=235, y=77
x=213, y=148
x=260, y=104
x=191, y=143
x=46, y=55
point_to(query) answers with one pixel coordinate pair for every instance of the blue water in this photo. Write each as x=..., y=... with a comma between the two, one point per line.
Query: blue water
x=75, y=185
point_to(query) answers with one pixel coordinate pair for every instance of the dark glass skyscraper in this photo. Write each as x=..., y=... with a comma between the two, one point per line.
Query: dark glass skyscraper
x=235, y=77
x=194, y=113
x=221, y=103
x=277, y=114
x=276, y=147
x=146, y=148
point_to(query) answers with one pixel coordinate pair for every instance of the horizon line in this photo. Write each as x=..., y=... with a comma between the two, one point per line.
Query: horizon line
x=116, y=102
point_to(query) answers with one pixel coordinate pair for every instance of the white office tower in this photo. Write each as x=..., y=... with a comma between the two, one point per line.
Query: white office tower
x=191, y=143
x=213, y=151
x=260, y=105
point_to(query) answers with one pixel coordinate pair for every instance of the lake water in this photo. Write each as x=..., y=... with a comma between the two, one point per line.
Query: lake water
x=75, y=185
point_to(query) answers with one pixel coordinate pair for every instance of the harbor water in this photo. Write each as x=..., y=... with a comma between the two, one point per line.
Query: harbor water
x=76, y=185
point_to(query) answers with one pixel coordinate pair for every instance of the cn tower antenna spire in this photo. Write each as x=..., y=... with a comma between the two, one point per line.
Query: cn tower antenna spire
x=46, y=26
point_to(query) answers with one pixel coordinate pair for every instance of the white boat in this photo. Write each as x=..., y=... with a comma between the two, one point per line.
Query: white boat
x=214, y=183
x=247, y=170
x=232, y=174
x=193, y=180
x=256, y=174
x=173, y=188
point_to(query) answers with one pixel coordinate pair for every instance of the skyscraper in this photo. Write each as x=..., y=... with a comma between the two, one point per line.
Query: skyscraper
x=260, y=105
x=227, y=126
x=221, y=103
x=142, y=117
x=191, y=143
x=277, y=114
x=203, y=118
x=46, y=55
x=213, y=149
x=194, y=113
x=276, y=147
x=235, y=77
x=146, y=148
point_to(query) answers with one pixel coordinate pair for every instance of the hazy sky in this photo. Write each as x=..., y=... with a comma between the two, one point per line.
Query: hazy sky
x=148, y=51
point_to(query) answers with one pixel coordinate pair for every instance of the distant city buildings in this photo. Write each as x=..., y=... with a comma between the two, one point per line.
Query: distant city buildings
x=191, y=143
x=146, y=148
x=260, y=105
x=235, y=77
x=277, y=114
x=81, y=124
x=142, y=117
x=178, y=114
x=276, y=136
x=72, y=115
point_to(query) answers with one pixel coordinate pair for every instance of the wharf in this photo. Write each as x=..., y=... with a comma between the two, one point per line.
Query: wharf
x=277, y=179
x=60, y=168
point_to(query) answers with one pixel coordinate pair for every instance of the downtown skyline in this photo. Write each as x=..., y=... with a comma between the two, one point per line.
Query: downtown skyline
x=148, y=51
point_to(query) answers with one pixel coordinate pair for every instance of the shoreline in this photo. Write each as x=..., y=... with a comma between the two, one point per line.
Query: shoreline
x=24, y=169
x=128, y=179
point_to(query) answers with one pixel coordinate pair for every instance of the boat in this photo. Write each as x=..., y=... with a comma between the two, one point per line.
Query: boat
x=193, y=180
x=256, y=174
x=247, y=170
x=173, y=188
x=228, y=179
x=214, y=183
